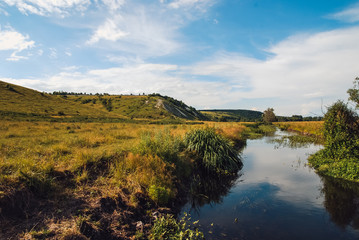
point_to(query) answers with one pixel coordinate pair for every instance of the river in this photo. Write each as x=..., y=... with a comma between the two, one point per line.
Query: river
x=277, y=195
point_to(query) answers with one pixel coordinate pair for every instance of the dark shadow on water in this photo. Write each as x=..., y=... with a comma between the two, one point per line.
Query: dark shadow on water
x=341, y=201
x=210, y=189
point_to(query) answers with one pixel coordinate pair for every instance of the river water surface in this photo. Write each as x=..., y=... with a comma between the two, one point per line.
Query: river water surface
x=277, y=196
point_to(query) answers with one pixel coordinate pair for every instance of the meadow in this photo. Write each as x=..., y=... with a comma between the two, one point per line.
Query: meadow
x=313, y=129
x=47, y=166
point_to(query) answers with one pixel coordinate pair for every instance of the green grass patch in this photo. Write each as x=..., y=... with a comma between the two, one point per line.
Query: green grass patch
x=214, y=152
x=167, y=227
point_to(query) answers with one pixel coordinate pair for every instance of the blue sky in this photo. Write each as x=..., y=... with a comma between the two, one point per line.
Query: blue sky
x=296, y=56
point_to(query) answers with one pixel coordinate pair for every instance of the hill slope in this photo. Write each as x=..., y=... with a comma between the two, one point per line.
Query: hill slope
x=22, y=103
x=233, y=115
x=152, y=106
x=18, y=102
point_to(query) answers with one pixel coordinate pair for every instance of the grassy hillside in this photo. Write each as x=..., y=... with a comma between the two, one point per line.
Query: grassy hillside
x=233, y=115
x=19, y=103
x=153, y=106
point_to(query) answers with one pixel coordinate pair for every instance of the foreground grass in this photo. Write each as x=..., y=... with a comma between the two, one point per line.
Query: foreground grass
x=64, y=179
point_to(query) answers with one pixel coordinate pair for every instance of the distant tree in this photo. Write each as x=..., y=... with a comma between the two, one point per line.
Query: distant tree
x=297, y=118
x=354, y=92
x=269, y=116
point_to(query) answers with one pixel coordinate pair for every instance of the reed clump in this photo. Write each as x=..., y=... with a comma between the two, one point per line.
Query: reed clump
x=214, y=152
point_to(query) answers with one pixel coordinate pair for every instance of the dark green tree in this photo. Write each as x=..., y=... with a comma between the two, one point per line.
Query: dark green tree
x=269, y=116
x=354, y=92
x=341, y=131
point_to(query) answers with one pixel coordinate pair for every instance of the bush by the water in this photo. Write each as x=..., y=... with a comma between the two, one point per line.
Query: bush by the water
x=341, y=131
x=215, y=152
x=339, y=158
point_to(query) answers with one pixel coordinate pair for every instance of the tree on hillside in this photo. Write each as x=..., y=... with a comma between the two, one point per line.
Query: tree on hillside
x=354, y=92
x=269, y=116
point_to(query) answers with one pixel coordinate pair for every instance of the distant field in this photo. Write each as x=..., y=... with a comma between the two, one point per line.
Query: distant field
x=307, y=128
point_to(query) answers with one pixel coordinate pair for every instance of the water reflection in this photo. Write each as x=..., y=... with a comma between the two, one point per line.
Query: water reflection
x=209, y=189
x=275, y=196
x=342, y=201
x=293, y=141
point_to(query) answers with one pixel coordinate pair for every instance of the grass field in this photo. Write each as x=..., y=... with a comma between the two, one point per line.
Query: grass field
x=314, y=128
x=55, y=164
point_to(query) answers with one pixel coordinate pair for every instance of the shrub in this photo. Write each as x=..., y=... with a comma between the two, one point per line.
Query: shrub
x=339, y=158
x=341, y=131
x=215, y=152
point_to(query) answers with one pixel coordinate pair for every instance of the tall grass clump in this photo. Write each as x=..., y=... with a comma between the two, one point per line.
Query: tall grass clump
x=214, y=152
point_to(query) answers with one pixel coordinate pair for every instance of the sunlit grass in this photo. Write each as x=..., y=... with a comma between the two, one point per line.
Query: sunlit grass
x=91, y=161
x=43, y=147
x=306, y=128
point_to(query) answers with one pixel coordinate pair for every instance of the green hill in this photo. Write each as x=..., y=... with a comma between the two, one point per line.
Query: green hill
x=152, y=106
x=20, y=103
x=227, y=115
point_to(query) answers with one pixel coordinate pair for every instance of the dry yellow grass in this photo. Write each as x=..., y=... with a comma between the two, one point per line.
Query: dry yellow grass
x=43, y=146
x=307, y=128
x=91, y=161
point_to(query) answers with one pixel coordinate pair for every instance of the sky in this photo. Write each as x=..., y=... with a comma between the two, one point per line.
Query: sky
x=297, y=56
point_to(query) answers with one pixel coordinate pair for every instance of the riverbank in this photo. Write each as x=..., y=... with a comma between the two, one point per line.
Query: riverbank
x=338, y=162
x=276, y=191
x=312, y=129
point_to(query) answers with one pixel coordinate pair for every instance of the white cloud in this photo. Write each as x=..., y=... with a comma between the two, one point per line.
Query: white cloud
x=350, y=14
x=108, y=31
x=11, y=40
x=199, y=4
x=138, y=30
x=114, y=5
x=53, y=53
x=46, y=7
x=302, y=70
x=3, y=12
